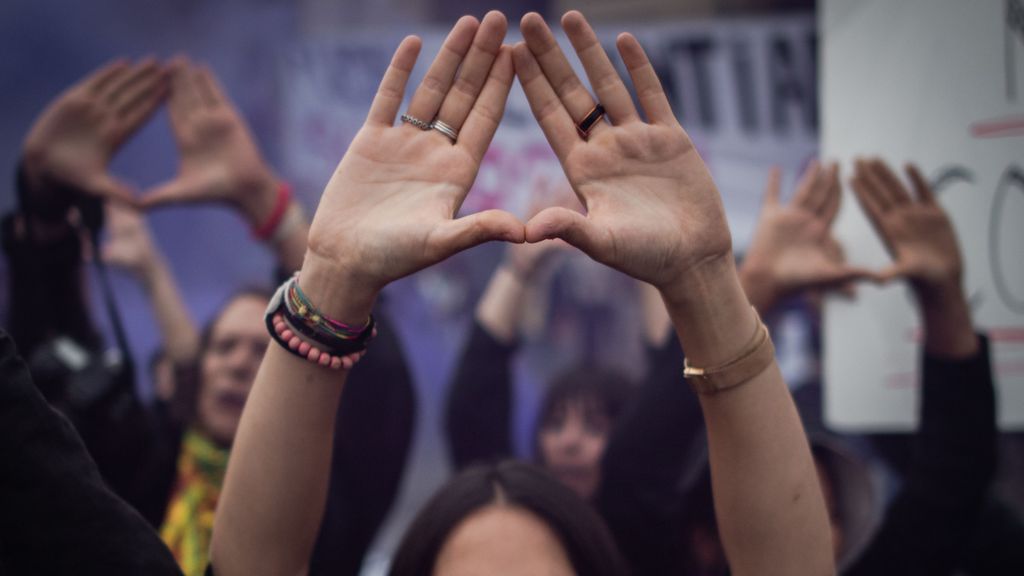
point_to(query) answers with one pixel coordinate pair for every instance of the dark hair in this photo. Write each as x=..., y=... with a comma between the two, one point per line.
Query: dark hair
x=597, y=388
x=184, y=403
x=586, y=539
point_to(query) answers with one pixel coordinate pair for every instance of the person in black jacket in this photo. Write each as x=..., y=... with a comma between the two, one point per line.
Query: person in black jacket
x=60, y=517
x=930, y=525
x=150, y=457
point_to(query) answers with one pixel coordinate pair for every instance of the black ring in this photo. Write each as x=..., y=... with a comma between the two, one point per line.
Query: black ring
x=584, y=127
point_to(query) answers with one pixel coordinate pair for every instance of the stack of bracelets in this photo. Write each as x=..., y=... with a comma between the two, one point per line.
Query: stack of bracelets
x=302, y=330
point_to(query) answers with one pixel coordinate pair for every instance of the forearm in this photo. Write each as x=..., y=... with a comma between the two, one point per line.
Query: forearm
x=771, y=513
x=276, y=485
x=180, y=336
x=946, y=315
x=501, y=305
x=479, y=407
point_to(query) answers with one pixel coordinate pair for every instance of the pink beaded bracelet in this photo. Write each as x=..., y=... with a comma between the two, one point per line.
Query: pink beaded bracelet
x=301, y=347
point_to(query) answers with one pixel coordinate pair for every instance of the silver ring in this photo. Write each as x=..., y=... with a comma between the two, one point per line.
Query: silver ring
x=445, y=129
x=415, y=122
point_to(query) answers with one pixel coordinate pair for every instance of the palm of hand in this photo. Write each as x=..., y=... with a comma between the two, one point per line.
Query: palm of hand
x=219, y=160
x=799, y=247
x=923, y=244
x=72, y=142
x=629, y=177
x=384, y=212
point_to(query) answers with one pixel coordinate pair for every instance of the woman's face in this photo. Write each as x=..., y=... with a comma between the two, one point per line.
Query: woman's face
x=228, y=366
x=572, y=442
x=502, y=539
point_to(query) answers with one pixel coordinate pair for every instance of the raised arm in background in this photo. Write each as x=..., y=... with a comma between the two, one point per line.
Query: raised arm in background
x=220, y=162
x=130, y=246
x=793, y=249
x=654, y=213
x=930, y=524
x=65, y=161
x=480, y=399
x=387, y=212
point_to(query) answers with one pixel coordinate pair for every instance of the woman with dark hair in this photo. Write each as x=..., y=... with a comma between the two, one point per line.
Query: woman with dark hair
x=389, y=211
x=487, y=507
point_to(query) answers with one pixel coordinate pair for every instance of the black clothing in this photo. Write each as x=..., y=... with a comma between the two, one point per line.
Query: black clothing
x=927, y=529
x=58, y=516
x=930, y=524
x=136, y=447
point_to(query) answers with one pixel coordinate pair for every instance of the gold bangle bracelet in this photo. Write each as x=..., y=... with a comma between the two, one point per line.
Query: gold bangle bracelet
x=757, y=355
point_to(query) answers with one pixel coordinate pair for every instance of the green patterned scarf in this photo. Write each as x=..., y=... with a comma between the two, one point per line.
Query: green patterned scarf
x=189, y=519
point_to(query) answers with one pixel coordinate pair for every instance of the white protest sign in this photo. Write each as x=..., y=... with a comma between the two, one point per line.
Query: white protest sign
x=939, y=83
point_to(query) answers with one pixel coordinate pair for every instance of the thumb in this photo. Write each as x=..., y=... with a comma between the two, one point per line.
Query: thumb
x=172, y=192
x=108, y=187
x=462, y=233
x=566, y=224
x=894, y=272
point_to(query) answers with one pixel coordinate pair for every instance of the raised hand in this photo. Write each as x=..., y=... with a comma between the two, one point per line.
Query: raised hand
x=922, y=242
x=793, y=248
x=73, y=140
x=220, y=161
x=128, y=244
x=389, y=209
x=915, y=230
x=653, y=211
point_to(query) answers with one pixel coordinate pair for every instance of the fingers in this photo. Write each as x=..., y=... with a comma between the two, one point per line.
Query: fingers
x=185, y=99
x=833, y=193
x=886, y=183
x=120, y=89
x=456, y=235
x=141, y=100
x=474, y=71
x=95, y=83
x=392, y=86
x=567, y=225
x=922, y=188
x=429, y=95
x=556, y=68
x=872, y=202
x=212, y=92
x=604, y=79
x=552, y=116
x=483, y=119
x=773, y=187
x=805, y=187
x=649, y=90
x=866, y=195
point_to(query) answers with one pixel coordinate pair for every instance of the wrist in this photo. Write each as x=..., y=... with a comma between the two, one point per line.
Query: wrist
x=260, y=195
x=335, y=290
x=151, y=271
x=710, y=311
x=946, y=316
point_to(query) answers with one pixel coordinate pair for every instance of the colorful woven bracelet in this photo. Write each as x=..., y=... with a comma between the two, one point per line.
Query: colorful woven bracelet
x=301, y=311
x=300, y=336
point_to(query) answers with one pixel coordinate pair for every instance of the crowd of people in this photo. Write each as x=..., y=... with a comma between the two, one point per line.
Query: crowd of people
x=279, y=432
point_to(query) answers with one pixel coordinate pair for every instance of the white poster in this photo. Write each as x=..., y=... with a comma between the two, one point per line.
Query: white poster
x=939, y=83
